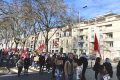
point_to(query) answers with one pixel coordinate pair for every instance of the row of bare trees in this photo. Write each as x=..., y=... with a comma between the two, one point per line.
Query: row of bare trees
x=21, y=18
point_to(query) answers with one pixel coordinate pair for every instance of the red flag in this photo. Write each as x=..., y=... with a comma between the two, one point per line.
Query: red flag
x=15, y=50
x=5, y=52
x=10, y=49
x=56, y=44
x=96, y=45
x=41, y=46
x=23, y=53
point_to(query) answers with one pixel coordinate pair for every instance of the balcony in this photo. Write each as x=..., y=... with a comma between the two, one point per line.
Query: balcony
x=82, y=33
x=108, y=39
x=107, y=30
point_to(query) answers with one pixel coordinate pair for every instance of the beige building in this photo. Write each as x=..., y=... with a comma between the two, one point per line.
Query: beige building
x=107, y=29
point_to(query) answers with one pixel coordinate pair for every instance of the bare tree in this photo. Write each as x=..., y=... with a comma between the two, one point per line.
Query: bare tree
x=50, y=14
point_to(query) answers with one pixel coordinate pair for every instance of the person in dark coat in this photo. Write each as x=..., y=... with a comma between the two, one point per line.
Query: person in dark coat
x=108, y=67
x=48, y=63
x=41, y=62
x=118, y=71
x=53, y=59
x=20, y=64
x=26, y=64
x=84, y=61
x=97, y=67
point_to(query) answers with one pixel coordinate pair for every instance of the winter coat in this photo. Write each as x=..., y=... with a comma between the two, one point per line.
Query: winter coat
x=96, y=67
x=68, y=68
x=79, y=72
x=118, y=70
x=20, y=63
x=109, y=69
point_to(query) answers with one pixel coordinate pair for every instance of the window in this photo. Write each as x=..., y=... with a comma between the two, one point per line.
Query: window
x=101, y=36
x=80, y=37
x=69, y=33
x=109, y=25
x=31, y=42
x=86, y=45
x=92, y=36
x=65, y=34
x=52, y=51
x=111, y=44
x=81, y=30
x=56, y=51
x=109, y=35
x=86, y=37
x=57, y=39
x=57, y=34
x=100, y=28
x=32, y=37
x=80, y=44
x=60, y=35
x=31, y=46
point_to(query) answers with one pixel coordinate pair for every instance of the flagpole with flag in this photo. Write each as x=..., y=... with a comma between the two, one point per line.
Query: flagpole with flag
x=96, y=46
x=23, y=53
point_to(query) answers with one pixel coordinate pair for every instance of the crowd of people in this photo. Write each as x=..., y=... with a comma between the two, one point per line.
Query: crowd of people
x=61, y=66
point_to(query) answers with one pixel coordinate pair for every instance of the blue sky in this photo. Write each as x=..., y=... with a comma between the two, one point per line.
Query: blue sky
x=94, y=7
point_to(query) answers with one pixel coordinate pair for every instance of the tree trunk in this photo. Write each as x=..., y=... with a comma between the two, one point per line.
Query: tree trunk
x=46, y=42
x=24, y=44
x=35, y=41
x=34, y=44
x=16, y=46
x=11, y=45
x=6, y=45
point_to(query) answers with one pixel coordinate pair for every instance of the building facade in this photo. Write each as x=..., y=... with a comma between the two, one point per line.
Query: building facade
x=79, y=38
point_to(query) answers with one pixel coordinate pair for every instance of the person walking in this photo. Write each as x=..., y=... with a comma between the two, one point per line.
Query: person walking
x=26, y=64
x=84, y=60
x=69, y=67
x=79, y=69
x=48, y=63
x=20, y=64
x=53, y=65
x=118, y=71
x=108, y=67
x=59, y=68
x=97, y=67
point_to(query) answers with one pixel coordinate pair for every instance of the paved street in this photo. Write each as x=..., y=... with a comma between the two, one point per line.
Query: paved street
x=35, y=75
x=45, y=76
x=90, y=75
